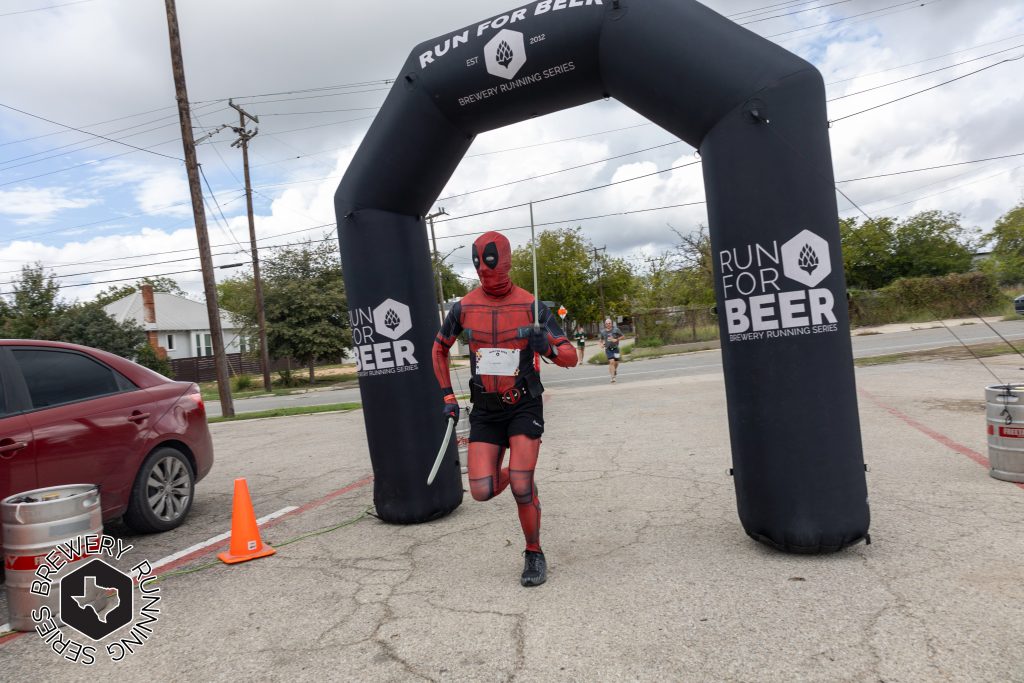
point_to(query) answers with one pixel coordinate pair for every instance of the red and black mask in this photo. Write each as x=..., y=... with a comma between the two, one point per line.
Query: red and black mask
x=492, y=258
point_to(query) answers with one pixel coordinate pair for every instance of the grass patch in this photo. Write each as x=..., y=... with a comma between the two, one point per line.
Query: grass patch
x=601, y=359
x=286, y=412
x=945, y=353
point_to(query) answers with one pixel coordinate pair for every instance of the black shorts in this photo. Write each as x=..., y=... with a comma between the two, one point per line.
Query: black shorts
x=496, y=426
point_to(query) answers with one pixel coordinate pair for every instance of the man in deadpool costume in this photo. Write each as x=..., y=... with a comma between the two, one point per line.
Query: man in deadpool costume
x=508, y=412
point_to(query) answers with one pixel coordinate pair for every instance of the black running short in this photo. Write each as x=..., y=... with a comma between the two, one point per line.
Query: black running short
x=496, y=426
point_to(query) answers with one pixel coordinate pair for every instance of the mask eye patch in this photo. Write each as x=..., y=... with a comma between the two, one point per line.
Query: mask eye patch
x=476, y=258
x=491, y=255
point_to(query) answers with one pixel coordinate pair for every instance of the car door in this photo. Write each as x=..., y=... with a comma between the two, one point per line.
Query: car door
x=89, y=423
x=17, y=449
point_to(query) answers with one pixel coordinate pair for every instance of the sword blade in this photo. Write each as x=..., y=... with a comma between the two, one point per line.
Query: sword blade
x=440, y=453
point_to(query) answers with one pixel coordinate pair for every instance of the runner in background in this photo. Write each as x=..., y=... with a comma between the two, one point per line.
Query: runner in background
x=610, y=338
x=581, y=342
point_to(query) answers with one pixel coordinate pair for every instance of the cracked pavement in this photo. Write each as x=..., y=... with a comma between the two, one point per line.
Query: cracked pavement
x=650, y=574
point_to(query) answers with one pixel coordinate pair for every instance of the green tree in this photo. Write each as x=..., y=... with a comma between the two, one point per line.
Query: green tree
x=452, y=284
x=34, y=304
x=237, y=296
x=1007, y=237
x=145, y=355
x=568, y=275
x=306, y=307
x=869, y=252
x=116, y=292
x=933, y=243
x=88, y=325
x=882, y=250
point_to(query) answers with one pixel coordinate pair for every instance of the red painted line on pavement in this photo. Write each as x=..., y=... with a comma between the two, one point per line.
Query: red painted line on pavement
x=202, y=552
x=220, y=546
x=929, y=432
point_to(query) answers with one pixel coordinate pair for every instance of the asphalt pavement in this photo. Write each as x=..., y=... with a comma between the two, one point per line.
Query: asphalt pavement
x=651, y=577
x=928, y=336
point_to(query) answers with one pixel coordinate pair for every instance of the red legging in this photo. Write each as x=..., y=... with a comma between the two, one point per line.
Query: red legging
x=487, y=479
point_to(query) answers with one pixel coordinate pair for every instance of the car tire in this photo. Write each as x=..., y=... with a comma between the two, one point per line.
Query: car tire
x=162, y=493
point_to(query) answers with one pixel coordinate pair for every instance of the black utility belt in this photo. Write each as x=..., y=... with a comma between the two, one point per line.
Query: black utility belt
x=529, y=387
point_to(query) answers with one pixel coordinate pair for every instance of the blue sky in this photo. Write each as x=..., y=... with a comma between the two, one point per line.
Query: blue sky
x=315, y=72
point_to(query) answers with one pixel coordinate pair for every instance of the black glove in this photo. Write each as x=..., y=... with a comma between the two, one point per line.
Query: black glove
x=451, y=408
x=539, y=341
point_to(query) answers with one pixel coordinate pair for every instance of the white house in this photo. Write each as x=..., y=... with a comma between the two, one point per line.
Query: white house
x=179, y=325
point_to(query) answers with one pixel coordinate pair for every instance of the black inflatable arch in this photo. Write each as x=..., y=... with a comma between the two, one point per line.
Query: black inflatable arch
x=756, y=113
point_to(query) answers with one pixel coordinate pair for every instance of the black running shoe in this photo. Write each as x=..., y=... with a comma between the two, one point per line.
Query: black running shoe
x=535, y=571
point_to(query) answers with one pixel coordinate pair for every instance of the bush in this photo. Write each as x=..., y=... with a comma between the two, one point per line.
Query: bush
x=650, y=342
x=959, y=295
x=287, y=378
x=146, y=357
x=243, y=382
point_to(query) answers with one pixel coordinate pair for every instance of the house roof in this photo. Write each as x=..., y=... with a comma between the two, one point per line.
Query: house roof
x=173, y=312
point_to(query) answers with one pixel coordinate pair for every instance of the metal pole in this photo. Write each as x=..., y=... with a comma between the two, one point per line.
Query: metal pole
x=205, y=257
x=600, y=281
x=536, y=298
x=437, y=262
x=261, y=314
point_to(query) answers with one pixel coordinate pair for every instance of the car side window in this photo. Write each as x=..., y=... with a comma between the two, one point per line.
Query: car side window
x=3, y=398
x=55, y=377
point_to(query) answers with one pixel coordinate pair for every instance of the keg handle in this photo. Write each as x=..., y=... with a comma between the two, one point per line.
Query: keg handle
x=17, y=513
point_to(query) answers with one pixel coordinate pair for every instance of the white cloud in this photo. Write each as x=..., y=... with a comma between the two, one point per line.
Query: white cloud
x=105, y=60
x=39, y=205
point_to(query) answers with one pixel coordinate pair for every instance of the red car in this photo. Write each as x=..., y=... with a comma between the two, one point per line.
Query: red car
x=74, y=415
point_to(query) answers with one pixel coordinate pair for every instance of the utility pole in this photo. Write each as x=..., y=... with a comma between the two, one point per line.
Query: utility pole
x=600, y=279
x=437, y=263
x=227, y=406
x=261, y=315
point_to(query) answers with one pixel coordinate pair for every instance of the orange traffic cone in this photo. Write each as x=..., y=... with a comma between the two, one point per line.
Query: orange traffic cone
x=245, y=535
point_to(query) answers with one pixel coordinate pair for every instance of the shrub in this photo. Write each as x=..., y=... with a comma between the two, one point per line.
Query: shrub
x=243, y=382
x=927, y=298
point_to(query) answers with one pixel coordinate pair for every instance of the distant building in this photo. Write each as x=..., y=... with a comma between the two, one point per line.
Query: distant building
x=178, y=326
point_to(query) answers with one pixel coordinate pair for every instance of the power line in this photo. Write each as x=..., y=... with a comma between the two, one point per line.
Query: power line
x=926, y=73
x=573, y=220
x=323, y=111
x=569, y=194
x=85, y=132
x=930, y=168
x=929, y=59
x=48, y=7
x=939, y=85
x=789, y=14
x=563, y=170
x=553, y=142
x=227, y=228
x=178, y=251
x=920, y=3
x=91, y=162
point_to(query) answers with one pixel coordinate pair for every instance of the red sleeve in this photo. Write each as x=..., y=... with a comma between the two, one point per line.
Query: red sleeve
x=563, y=353
x=450, y=330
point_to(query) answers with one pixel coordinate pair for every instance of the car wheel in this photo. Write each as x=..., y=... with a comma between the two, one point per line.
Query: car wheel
x=162, y=494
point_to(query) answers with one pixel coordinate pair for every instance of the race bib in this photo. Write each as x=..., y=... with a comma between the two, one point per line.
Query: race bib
x=500, y=362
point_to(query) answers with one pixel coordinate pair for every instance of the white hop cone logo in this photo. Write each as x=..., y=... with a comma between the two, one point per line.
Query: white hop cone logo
x=504, y=55
x=392, y=319
x=808, y=259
